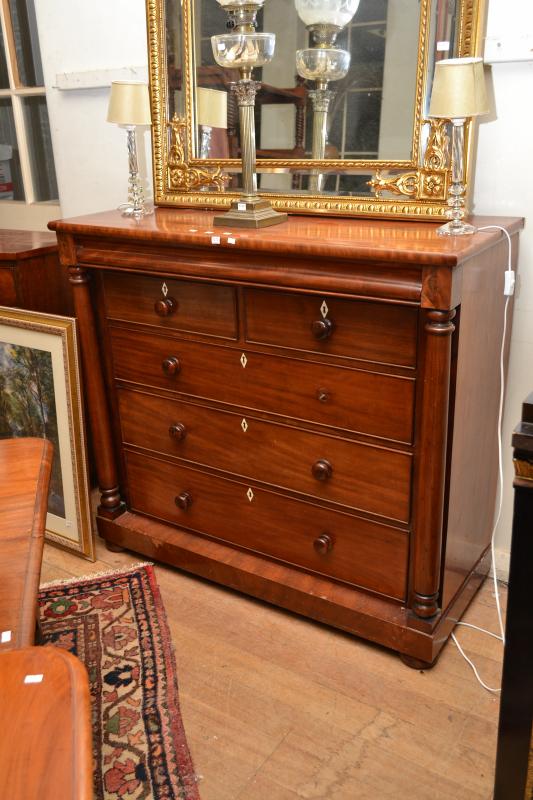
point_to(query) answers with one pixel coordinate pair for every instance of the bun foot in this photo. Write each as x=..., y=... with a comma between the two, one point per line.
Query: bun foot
x=112, y=547
x=416, y=663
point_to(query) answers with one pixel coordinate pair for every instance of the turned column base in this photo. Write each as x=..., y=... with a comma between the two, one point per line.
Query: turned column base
x=426, y=606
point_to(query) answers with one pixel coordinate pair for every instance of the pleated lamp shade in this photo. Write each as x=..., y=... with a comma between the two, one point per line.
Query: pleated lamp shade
x=129, y=103
x=459, y=89
x=212, y=108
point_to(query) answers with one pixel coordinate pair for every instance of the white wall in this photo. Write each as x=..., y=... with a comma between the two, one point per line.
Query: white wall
x=90, y=154
x=504, y=185
x=92, y=168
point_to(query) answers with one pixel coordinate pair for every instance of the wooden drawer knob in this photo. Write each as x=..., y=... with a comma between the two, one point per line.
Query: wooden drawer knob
x=323, y=544
x=165, y=306
x=183, y=501
x=171, y=366
x=322, y=470
x=322, y=329
x=177, y=431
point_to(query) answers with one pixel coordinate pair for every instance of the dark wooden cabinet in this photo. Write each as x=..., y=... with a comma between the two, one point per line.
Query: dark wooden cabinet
x=514, y=760
x=307, y=415
x=31, y=276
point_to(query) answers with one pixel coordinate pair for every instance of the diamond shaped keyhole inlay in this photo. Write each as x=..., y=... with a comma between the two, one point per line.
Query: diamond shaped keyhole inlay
x=324, y=309
x=250, y=495
x=244, y=425
x=244, y=360
x=164, y=289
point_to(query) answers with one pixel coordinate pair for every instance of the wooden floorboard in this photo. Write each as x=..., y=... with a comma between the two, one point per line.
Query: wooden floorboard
x=277, y=707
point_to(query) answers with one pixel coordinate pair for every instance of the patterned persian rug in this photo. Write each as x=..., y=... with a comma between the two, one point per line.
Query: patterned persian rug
x=116, y=624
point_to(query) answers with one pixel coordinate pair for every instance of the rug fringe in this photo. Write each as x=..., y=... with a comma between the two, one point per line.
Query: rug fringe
x=95, y=575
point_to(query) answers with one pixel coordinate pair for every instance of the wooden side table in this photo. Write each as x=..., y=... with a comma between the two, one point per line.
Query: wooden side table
x=514, y=761
x=46, y=749
x=25, y=467
x=31, y=276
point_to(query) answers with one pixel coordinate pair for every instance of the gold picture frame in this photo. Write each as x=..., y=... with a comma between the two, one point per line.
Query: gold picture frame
x=40, y=395
x=415, y=188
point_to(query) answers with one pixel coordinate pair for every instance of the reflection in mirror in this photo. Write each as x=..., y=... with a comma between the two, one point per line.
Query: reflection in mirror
x=374, y=136
x=371, y=108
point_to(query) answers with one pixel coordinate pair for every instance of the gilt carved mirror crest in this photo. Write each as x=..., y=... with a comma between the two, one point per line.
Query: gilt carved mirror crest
x=382, y=156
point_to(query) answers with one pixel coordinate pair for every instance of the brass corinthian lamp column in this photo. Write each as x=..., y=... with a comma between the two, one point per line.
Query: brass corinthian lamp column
x=244, y=49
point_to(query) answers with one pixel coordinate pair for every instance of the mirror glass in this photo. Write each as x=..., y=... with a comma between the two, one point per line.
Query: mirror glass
x=375, y=125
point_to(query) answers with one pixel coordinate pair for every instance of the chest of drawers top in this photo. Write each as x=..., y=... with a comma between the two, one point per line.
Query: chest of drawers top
x=392, y=260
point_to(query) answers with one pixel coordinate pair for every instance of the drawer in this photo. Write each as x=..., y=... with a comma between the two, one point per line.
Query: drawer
x=369, y=478
x=316, y=323
x=379, y=405
x=178, y=305
x=338, y=545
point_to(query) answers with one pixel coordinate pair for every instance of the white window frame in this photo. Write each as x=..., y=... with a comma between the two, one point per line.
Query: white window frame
x=29, y=212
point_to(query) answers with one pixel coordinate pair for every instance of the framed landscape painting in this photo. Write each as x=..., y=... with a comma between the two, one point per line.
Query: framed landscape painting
x=40, y=395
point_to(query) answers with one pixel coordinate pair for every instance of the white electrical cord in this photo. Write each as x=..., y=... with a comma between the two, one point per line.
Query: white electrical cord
x=508, y=291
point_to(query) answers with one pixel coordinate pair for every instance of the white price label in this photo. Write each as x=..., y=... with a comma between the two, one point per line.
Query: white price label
x=33, y=678
x=241, y=206
x=215, y=239
x=5, y=636
x=443, y=47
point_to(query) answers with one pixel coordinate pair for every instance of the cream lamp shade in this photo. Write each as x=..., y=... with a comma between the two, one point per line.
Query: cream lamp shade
x=212, y=108
x=459, y=89
x=129, y=103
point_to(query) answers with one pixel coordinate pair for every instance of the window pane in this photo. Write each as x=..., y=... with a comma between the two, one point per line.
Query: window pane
x=362, y=127
x=4, y=78
x=40, y=147
x=26, y=42
x=9, y=154
x=370, y=10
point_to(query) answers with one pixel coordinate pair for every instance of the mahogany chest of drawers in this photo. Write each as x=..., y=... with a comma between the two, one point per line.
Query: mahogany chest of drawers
x=307, y=414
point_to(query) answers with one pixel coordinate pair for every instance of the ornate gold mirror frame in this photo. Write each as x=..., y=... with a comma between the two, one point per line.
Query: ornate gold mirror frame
x=402, y=189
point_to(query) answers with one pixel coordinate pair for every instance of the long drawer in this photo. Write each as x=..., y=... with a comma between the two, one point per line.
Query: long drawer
x=360, y=476
x=208, y=309
x=356, y=329
x=338, y=545
x=368, y=402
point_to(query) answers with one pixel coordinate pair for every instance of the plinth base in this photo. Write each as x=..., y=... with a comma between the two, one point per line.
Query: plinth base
x=253, y=213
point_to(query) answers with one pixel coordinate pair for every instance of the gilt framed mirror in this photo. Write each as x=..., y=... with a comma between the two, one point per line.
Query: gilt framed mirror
x=382, y=156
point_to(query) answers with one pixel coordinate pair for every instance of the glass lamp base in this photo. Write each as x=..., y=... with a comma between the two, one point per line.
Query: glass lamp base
x=456, y=228
x=254, y=212
x=128, y=210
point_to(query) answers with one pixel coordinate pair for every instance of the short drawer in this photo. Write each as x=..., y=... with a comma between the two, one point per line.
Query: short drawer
x=360, y=476
x=338, y=545
x=368, y=402
x=178, y=305
x=350, y=328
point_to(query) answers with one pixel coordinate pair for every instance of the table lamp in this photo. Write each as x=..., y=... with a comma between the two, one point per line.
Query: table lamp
x=458, y=93
x=129, y=106
x=212, y=112
x=324, y=62
x=243, y=49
